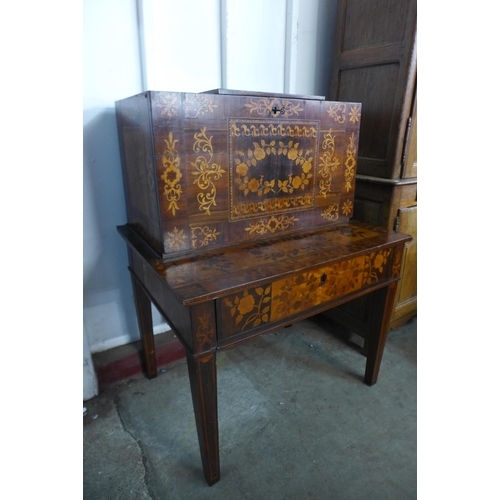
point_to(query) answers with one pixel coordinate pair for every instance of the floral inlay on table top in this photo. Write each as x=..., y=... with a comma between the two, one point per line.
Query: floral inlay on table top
x=212, y=273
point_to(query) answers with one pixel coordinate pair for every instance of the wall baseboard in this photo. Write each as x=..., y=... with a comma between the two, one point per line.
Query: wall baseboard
x=125, y=362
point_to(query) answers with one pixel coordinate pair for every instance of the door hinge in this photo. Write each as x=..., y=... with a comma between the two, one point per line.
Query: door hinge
x=405, y=145
x=396, y=224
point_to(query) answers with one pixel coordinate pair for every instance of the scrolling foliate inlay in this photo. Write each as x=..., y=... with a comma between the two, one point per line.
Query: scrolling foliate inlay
x=289, y=151
x=264, y=107
x=206, y=171
x=172, y=174
x=273, y=224
x=328, y=164
x=202, y=236
x=337, y=112
x=331, y=213
x=350, y=164
x=197, y=105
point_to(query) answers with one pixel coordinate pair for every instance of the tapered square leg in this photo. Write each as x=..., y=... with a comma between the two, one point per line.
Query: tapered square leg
x=203, y=379
x=145, y=319
x=381, y=305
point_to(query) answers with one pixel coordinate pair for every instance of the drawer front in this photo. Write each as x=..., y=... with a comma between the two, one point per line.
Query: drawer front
x=408, y=196
x=287, y=297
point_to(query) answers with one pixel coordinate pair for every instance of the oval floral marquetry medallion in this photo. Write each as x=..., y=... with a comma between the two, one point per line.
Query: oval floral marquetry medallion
x=270, y=162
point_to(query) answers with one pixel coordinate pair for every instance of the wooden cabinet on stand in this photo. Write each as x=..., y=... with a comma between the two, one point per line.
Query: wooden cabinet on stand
x=238, y=224
x=375, y=63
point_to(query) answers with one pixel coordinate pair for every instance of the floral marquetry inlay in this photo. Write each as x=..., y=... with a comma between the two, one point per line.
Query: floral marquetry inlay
x=294, y=294
x=251, y=308
x=245, y=160
x=264, y=107
x=176, y=239
x=347, y=208
x=272, y=166
x=354, y=114
x=375, y=266
x=169, y=105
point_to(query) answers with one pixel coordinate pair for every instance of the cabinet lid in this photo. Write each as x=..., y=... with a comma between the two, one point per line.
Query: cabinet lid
x=251, y=93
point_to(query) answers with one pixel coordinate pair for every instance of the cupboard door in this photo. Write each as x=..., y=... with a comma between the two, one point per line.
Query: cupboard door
x=406, y=298
x=374, y=63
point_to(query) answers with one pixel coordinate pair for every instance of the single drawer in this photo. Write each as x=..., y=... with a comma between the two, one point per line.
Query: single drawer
x=296, y=294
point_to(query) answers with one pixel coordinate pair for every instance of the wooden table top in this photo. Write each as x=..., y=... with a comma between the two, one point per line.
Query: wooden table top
x=219, y=273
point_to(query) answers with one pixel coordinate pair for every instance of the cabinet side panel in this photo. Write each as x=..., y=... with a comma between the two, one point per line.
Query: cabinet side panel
x=139, y=178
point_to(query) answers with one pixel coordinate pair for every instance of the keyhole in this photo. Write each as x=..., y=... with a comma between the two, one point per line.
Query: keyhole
x=277, y=110
x=323, y=279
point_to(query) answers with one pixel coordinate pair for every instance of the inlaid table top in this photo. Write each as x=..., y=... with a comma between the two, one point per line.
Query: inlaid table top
x=219, y=273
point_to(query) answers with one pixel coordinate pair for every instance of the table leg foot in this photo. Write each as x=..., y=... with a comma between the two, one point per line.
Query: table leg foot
x=203, y=380
x=381, y=305
x=144, y=316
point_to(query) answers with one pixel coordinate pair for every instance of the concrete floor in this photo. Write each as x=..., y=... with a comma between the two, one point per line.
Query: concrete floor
x=295, y=422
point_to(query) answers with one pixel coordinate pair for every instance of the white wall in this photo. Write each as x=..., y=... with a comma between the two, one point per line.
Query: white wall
x=255, y=41
x=182, y=45
x=111, y=68
x=193, y=45
x=316, y=22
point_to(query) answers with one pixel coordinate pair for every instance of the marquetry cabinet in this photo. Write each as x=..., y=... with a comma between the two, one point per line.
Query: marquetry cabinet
x=375, y=63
